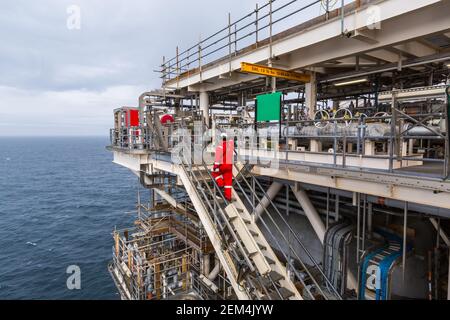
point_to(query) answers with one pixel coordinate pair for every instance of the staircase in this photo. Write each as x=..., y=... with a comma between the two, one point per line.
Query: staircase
x=248, y=260
x=262, y=254
x=312, y=280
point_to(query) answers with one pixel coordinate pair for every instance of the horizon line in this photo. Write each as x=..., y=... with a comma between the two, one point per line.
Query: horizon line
x=54, y=136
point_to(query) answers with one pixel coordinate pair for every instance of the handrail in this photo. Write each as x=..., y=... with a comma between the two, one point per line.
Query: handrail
x=223, y=216
x=218, y=205
x=290, y=229
x=232, y=250
x=277, y=242
x=218, y=189
x=360, y=135
x=196, y=54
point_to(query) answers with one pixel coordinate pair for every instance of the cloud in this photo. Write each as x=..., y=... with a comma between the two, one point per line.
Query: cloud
x=63, y=113
x=57, y=81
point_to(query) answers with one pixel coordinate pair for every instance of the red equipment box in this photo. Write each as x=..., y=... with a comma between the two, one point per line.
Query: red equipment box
x=126, y=117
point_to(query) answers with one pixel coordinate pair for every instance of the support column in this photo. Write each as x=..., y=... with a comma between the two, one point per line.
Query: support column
x=311, y=95
x=204, y=106
x=271, y=194
x=310, y=212
x=369, y=148
x=318, y=225
x=315, y=145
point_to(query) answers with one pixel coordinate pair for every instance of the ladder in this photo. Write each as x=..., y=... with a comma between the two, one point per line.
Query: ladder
x=248, y=260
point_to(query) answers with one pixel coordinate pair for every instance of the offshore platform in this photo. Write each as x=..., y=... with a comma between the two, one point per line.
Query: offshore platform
x=339, y=114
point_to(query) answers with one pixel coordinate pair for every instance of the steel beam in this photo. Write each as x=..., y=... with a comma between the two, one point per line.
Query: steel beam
x=441, y=232
x=389, y=190
x=272, y=192
x=310, y=212
x=399, y=23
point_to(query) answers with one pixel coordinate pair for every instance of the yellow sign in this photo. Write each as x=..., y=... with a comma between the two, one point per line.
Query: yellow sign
x=274, y=72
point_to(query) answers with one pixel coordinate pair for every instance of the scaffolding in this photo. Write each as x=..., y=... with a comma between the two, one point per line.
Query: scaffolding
x=160, y=257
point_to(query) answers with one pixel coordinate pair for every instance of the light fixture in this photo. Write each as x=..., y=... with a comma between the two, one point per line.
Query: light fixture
x=349, y=82
x=448, y=65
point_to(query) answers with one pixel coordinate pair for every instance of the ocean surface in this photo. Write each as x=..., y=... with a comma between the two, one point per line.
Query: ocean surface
x=60, y=199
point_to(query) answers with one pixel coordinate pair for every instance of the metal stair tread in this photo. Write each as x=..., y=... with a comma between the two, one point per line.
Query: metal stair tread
x=270, y=261
x=247, y=221
x=261, y=246
x=274, y=295
x=267, y=282
x=275, y=276
x=261, y=283
x=254, y=233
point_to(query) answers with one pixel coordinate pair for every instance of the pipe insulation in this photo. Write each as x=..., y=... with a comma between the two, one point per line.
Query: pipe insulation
x=215, y=271
x=206, y=264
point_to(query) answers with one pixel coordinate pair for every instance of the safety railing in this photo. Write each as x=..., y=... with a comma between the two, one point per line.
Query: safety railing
x=209, y=196
x=215, y=203
x=132, y=138
x=395, y=131
x=257, y=28
x=147, y=137
x=405, y=137
x=245, y=182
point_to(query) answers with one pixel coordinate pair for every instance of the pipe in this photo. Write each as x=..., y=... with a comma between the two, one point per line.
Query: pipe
x=310, y=211
x=358, y=224
x=318, y=225
x=164, y=286
x=206, y=264
x=430, y=276
x=142, y=104
x=351, y=280
x=264, y=203
x=281, y=203
x=336, y=208
x=215, y=272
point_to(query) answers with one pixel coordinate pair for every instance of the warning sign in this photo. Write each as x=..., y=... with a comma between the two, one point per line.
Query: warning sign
x=274, y=72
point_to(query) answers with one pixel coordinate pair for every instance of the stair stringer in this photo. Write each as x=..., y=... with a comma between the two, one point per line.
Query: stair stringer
x=224, y=257
x=277, y=265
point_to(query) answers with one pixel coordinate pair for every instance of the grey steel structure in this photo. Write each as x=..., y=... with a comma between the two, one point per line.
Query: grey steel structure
x=347, y=196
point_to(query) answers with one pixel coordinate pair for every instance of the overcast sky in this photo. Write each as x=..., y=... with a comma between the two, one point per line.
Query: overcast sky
x=60, y=81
